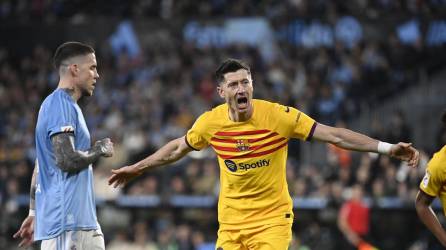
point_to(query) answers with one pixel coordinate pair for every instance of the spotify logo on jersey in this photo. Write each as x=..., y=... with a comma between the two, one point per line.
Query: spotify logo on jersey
x=231, y=165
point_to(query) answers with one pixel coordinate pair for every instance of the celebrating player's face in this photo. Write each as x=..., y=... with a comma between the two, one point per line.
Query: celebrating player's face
x=237, y=90
x=87, y=74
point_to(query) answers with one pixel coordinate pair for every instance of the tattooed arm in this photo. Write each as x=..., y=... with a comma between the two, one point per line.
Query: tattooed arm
x=69, y=159
x=32, y=192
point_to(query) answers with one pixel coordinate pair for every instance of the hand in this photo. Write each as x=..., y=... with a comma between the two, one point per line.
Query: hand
x=105, y=146
x=405, y=152
x=26, y=232
x=122, y=176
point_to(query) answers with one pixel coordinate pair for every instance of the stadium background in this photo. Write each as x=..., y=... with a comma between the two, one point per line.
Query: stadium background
x=374, y=66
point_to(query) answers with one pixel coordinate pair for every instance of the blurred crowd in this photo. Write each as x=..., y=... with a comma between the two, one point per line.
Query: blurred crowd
x=143, y=101
x=53, y=10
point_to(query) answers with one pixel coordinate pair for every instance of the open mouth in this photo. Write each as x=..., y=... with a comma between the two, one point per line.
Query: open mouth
x=242, y=102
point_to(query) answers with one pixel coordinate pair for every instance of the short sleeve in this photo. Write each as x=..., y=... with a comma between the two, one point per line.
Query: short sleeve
x=195, y=137
x=301, y=125
x=61, y=116
x=434, y=178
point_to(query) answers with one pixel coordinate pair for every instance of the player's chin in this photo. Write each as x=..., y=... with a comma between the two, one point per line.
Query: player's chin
x=90, y=92
x=242, y=107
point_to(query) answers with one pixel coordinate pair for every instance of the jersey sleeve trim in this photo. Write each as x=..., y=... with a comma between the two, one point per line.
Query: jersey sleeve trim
x=310, y=135
x=426, y=193
x=60, y=132
x=188, y=144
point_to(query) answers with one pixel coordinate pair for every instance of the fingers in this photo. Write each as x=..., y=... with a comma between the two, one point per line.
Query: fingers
x=116, y=181
x=17, y=234
x=112, y=179
x=26, y=242
x=116, y=171
x=117, y=184
x=27, y=237
x=409, y=154
x=23, y=234
x=415, y=159
x=405, y=144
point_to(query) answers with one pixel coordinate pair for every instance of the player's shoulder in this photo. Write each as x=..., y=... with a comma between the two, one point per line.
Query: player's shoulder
x=273, y=108
x=56, y=101
x=264, y=103
x=58, y=95
x=217, y=112
x=437, y=165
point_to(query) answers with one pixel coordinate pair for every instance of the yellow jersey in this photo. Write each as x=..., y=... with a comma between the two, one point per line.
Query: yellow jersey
x=434, y=181
x=252, y=158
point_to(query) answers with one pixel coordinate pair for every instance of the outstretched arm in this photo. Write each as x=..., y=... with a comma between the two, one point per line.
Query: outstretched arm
x=351, y=140
x=428, y=217
x=171, y=152
x=71, y=160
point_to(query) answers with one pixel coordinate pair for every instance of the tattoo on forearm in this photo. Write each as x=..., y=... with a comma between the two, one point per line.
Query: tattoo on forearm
x=32, y=192
x=68, y=158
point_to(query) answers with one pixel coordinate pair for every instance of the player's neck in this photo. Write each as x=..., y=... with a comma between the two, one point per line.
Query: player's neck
x=70, y=90
x=240, y=116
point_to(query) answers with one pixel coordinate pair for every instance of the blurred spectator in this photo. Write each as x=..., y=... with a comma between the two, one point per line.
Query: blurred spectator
x=354, y=219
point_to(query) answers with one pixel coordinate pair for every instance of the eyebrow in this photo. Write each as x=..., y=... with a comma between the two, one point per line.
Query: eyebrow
x=241, y=80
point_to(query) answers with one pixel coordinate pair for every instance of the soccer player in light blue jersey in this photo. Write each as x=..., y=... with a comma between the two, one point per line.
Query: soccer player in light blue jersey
x=62, y=204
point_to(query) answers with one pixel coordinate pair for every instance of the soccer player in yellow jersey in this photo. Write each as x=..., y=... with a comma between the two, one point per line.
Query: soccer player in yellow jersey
x=433, y=185
x=250, y=138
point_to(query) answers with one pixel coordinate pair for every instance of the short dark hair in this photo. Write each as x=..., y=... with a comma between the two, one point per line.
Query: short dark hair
x=68, y=50
x=229, y=65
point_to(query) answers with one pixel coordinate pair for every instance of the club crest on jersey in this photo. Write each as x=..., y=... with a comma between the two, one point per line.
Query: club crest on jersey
x=426, y=178
x=242, y=145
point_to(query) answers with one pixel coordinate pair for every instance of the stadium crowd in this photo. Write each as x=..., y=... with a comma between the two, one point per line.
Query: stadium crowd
x=143, y=101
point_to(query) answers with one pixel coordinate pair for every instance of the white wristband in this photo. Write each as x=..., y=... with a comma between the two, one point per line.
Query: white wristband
x=32, y=212
x=384, y=147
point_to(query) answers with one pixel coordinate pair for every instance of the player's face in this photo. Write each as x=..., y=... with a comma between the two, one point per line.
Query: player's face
x=237, y=90
x=87, y=74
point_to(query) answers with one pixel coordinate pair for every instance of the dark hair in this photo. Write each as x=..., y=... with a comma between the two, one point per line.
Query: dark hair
x=229, y=65
x=68, y=50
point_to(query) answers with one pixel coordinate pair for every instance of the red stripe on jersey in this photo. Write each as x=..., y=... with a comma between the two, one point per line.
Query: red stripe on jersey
x=234, y=149
x=249, y=140
x=252, y=155
x=252, y=132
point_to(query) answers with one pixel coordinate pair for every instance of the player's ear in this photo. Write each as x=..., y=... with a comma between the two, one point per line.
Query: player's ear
x=74, y=69
x=220, y=91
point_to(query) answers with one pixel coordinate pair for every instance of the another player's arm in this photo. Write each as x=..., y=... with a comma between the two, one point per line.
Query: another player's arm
x=171, y=152
x=348, y=139
x=69, y=159
x=427, y=216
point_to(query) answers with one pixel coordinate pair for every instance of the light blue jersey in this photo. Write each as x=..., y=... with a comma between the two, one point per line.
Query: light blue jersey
x=64, y=201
